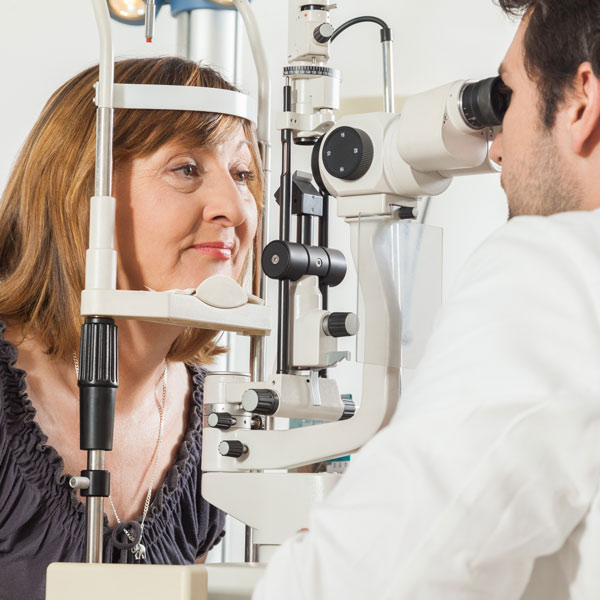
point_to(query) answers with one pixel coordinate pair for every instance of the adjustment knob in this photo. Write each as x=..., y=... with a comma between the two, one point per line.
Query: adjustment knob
x=349, y=409
x=347, y=153
x=232, y=448
x=323, y=33
x=340, y=324
x=261, y=402
x=221, y=420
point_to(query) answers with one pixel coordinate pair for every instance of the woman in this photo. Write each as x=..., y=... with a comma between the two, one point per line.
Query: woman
x=188, y=189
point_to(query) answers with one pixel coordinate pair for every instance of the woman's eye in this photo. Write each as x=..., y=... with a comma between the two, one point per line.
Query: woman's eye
x=244, y=176
x=188, y=170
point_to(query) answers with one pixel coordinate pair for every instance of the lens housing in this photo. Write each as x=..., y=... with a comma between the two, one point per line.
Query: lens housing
x=484, y=103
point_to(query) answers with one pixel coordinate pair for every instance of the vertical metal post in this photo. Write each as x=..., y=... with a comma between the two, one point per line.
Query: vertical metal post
x=96, y=458
x=206, y=35
x=388, y=75
x=285, y=204
x=95, y=512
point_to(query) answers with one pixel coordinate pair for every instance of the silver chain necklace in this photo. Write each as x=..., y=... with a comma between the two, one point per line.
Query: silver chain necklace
x=139, y=550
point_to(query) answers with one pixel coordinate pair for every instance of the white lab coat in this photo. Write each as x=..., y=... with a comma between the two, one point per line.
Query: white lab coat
x=485, y=484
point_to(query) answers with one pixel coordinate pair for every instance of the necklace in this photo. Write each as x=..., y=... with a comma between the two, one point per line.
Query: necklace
x=139, y=550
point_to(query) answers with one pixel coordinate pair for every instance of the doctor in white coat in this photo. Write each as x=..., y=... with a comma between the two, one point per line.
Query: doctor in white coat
x=486, y=483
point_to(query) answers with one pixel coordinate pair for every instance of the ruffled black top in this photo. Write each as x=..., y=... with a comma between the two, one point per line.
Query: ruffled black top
x=42, y=520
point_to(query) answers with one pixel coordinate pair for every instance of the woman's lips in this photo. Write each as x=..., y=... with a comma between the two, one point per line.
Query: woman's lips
x=218, y=250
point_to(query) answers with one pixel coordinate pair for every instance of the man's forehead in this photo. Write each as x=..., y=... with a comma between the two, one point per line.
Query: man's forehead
x=513, y=61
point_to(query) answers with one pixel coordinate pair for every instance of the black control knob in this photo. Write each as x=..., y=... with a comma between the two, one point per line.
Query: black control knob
x=349, y=409
x=347, y=153
x=340, y=324
x=260, y=402
x=232, y=448
x=221, y=420
x=323, y=33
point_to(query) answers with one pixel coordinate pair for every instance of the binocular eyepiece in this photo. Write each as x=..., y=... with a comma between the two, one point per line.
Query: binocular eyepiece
x=484, y=103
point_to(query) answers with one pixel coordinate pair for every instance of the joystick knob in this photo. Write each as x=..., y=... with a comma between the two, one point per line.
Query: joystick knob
x=260, y=402
x=221, y=420
x=232, y=448
x=340, y=324
x=323, y=33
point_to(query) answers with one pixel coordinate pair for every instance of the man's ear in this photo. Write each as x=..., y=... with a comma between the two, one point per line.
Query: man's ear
x=585, y=111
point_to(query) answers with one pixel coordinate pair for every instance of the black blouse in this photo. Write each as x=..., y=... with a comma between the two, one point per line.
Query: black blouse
x=42, y=520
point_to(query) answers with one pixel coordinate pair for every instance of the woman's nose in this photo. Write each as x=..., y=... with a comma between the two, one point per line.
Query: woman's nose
x=496, y=149
x=224, y=203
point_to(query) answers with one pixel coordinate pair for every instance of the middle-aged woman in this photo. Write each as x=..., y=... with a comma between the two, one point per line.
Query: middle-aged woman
x=188, y=189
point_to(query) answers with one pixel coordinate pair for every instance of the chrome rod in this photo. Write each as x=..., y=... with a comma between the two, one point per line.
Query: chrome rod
x=149, y=20
x=388, y=76
x=104, y=134
x=95, y=512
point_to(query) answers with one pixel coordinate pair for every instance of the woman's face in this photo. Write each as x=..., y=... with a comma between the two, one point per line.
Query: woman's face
x=183, y=214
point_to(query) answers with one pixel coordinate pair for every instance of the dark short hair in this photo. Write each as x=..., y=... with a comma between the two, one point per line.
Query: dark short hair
x=560, y=36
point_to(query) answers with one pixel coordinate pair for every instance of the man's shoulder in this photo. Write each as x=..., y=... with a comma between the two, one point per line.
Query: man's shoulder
x=562, y=242
x=579, y=228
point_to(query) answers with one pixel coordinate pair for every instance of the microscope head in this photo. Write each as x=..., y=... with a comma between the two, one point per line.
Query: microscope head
x=440, y=134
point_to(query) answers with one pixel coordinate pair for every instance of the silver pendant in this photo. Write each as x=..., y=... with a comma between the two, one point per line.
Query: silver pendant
x=139, y=551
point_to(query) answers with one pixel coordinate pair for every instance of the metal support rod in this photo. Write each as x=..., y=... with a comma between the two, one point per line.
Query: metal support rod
x=304, y=229
x=388, y=76
x=149, y=20
x=285, y=211
x=251, y=549
x=104, y=134
x=324, y=243
x=95, y=512
x=103, y=188
x=258, y=345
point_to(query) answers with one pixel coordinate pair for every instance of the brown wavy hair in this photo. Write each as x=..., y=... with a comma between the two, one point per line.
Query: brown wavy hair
x=560, y=36
x=44, y=211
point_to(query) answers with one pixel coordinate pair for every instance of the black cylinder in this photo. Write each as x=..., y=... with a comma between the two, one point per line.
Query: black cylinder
x=99, y=484
x=484, y=103
x=98, y=382
x=232, y=448
x=347, y=153
x=337, y=268
x=341, y=324
x=288, y=261
x=260, y=402
x=221, y=420
x=318, y=261
x=284, y=260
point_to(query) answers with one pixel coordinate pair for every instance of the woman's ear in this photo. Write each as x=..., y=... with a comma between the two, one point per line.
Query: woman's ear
x=584, y=112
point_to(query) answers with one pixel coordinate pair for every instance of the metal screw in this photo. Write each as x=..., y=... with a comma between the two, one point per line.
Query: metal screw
x=319, y=262
x=275, y=259
x=79, y=483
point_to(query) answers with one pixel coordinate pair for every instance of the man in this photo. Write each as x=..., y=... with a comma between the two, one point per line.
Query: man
x=485, y=484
